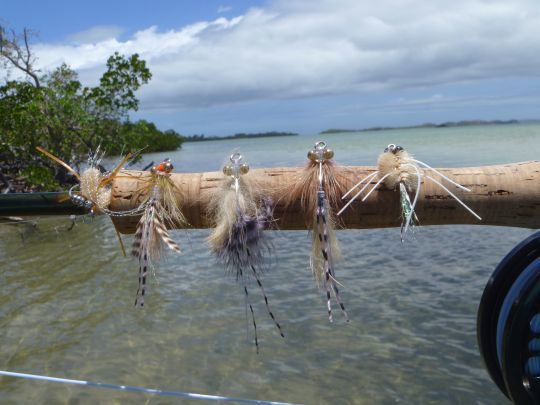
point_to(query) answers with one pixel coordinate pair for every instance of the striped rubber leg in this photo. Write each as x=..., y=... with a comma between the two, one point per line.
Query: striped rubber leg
x=252, y=313
x=266, y=301
x=338, y=298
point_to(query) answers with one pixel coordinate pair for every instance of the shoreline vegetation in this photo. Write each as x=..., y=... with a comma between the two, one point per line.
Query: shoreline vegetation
x=449, y=124
x=204, y=138
x=54, y=111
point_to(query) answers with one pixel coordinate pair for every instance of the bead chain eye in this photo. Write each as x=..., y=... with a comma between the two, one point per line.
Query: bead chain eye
x=236, y=168
x=393, y=148
x=320, y=152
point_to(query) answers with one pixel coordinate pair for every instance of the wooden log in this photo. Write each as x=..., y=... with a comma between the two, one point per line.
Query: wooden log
x=506, y=195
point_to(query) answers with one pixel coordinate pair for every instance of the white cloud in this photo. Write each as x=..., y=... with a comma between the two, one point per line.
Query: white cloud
x=96, y=34
x=223, y=9
x=301, y=49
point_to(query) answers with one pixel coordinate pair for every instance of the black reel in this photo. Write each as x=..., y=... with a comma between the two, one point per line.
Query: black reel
x=508, y=324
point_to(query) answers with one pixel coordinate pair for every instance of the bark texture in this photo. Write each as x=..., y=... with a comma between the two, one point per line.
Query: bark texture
x=505, y=195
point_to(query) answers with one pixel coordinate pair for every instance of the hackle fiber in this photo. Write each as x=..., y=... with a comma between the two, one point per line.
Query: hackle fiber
x=161, y=211
x=226, y=207
x=308, y=180
x=323, y=216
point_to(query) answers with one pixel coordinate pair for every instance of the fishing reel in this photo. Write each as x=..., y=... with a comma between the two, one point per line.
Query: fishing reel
x=508, y=324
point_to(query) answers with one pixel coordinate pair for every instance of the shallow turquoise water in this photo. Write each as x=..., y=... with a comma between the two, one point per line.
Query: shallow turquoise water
x=66, y=298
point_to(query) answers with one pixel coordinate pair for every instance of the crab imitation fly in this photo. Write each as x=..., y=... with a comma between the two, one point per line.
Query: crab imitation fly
x=397, y=169
x=240, y=214
x=161, y=209
x=94, y=191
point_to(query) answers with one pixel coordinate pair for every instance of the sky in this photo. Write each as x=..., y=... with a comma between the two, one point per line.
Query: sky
x=223, y=67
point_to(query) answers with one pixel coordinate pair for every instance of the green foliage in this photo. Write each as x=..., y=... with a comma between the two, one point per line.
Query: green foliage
x=40, y=176
x=57, y=113
x=115, y=95
x=65, y=118
x=144, y=135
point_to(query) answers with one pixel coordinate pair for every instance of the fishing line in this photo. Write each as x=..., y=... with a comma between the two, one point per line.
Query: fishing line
x=144, y=390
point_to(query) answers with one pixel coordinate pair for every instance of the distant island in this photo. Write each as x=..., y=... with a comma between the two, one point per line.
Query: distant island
x=429, y=125
x=202, y=138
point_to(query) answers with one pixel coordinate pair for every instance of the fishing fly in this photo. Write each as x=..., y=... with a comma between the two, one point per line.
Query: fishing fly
x=398, y=169
x=94, y=188
x=241, y=213
x=161, y=210
x=317, y=188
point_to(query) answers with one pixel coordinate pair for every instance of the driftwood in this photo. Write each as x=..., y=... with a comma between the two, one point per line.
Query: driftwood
x=506, y=195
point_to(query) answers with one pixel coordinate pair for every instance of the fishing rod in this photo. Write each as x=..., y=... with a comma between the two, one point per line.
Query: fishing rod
x=47, y=203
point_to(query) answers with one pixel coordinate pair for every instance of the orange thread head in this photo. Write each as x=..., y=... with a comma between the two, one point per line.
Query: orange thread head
x=164, y=167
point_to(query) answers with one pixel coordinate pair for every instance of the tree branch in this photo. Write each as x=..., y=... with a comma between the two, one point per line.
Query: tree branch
x=19, y=58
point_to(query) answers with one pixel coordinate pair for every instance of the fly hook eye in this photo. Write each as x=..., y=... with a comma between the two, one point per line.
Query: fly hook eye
x=236, y=157
x=321, y=145
x=168, y=167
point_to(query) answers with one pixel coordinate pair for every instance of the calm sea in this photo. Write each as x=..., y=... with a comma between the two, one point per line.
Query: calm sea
x=66, y=298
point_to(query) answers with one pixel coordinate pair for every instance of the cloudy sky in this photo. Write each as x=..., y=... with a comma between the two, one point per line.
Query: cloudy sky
x=222, y=67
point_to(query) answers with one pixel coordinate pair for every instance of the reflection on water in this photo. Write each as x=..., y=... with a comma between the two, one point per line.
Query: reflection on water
x=66, y=309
